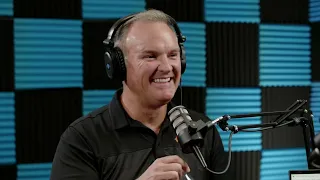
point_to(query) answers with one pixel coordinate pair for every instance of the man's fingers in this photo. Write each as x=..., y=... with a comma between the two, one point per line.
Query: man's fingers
x=167, y=175
x=171, y=167
x=175, y=159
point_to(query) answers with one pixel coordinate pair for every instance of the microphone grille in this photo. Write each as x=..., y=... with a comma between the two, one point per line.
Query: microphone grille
x=177, y=116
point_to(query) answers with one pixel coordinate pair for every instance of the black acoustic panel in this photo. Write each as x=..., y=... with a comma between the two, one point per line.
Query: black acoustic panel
x=315, y=51
x=245, y=165
x=180, y=10
x=41, y=117
x=279, y=99
x=232, y=54
x=95, y=75
x=284, y=11
x=70, y=9
x=8, y=172
x=192, y=98
x=7, y=55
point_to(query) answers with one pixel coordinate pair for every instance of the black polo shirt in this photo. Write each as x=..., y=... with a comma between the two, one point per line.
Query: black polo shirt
x=107, y=144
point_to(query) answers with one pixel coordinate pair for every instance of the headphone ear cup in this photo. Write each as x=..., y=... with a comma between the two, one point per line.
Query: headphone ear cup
x=115, y=64
x=108, y=60
x=121, y=71
x=183, y=58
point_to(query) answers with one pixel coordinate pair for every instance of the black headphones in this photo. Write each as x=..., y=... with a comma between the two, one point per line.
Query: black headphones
x=114, y=58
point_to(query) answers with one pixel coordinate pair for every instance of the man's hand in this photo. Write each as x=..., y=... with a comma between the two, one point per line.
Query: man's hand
x=169, y=167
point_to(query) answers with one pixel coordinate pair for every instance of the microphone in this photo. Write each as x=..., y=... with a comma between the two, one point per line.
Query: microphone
x=190, y=133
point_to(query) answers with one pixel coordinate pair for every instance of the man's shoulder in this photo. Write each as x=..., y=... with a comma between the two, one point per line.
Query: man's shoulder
x=90, y=119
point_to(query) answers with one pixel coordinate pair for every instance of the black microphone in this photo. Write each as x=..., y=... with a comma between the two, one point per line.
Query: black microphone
x=190, y=133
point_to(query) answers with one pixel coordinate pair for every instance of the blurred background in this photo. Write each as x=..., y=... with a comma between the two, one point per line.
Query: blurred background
x=243, y=56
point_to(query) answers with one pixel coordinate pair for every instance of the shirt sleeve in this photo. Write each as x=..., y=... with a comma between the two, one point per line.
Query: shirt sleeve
x=74, y=158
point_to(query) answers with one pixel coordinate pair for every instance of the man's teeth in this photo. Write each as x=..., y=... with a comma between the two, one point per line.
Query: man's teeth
x=161, y=80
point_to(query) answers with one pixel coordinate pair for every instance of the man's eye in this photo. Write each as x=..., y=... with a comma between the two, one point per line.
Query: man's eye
x=174, y=55
x=148, y=57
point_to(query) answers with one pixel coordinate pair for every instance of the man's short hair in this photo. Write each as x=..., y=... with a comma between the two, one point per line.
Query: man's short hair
x=148, y=15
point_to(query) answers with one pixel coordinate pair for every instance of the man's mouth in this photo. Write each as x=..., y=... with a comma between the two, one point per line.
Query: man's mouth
x=161, y=80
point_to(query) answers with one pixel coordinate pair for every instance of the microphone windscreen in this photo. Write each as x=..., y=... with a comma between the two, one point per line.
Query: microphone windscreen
x=177, y=116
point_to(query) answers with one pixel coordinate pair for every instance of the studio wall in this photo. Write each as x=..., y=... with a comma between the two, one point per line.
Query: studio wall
x=243, y=57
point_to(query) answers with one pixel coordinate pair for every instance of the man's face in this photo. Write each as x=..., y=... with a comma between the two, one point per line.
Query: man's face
x=153, y=65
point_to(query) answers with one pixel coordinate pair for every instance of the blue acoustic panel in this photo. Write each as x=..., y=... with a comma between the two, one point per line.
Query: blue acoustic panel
x=110, y=9
x=314, y=10
x=93, y=99
x=6, y=8
x=284, y=55
x=232, y=11
x=276, y=163
x=231, y=101
x=39, y=171
x=7, y=128
x=48, y=53
x=315, y=105
x=195, y=46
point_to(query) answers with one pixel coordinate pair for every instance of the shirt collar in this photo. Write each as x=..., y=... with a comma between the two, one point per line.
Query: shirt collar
x=119, y=116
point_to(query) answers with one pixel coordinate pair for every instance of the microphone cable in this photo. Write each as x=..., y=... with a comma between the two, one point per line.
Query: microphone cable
x=203, y=162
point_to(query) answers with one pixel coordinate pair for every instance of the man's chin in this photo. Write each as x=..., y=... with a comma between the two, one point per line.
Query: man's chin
x=165, y=98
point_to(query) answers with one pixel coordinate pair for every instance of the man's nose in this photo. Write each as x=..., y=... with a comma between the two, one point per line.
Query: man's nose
x=165, y=66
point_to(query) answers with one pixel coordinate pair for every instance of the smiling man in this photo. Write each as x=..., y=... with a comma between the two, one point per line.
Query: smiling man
x=131, y=137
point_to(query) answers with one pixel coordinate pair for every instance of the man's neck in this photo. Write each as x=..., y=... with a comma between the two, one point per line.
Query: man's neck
x=151, y=117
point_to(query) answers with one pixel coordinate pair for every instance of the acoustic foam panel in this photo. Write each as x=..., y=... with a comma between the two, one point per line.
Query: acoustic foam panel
x=48, y=53
x=195, y=47
x=7, y=128
x=6, y=8
x=315, y=51
x=232, y=11
x=70, y=9
x=245, y=165
x=232, y=54
x=315, y=105
x=8, y=172
x=284, y=11
x=110, y=9
x=34, y=171
x=7, y=54
x=276, y=163
x=192, y=97
x=41, y=117
x=284, y=55
x=236, y=101
x=314, y=10
x=180, y=10
x=94, y=99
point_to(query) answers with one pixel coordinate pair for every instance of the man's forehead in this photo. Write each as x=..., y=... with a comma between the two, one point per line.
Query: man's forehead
x=141, y=35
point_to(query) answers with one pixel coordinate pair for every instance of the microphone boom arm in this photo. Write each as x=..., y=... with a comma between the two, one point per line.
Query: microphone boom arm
x=296, y=107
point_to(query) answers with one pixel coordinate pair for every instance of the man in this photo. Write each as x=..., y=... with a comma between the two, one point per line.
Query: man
x=132, y=138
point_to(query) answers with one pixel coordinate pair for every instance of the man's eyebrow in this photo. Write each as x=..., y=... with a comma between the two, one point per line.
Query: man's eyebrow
x=175, y=50
x=155, y=51
x=148, y=51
